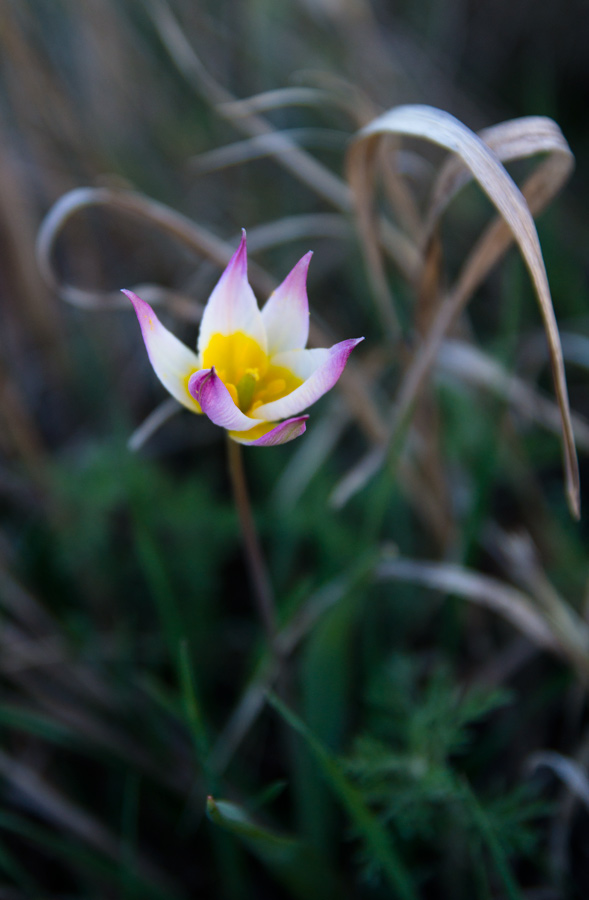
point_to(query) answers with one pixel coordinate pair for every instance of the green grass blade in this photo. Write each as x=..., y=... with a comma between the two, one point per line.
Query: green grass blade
x=494, y=847
x=91, y=863
x=376, y=837
x=292, y=862
x=159, y=587
x=194, y=716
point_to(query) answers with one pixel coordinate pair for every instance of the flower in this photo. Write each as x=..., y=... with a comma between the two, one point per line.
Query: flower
x=251, y=368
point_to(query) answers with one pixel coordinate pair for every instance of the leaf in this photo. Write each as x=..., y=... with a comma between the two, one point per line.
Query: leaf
x=292, y=862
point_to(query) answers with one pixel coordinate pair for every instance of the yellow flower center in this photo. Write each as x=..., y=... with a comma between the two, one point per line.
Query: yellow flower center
x=246, y=371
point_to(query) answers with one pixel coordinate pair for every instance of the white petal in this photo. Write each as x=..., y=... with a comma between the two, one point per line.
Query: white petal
x=172, y=361
x=320, y=370
x=286, y=313
x=232, y=307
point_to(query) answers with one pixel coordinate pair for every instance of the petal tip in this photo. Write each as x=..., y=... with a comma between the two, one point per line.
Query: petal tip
x=301, y=269
x=237, y=265
x=145, y=314
x=281, y=433
x=135, y=300
x=216, y=401
x=197, y=381
x=240, y=254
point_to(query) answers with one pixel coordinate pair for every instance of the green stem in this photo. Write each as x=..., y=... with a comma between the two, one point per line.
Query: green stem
x=487, y=833
x=260, y=581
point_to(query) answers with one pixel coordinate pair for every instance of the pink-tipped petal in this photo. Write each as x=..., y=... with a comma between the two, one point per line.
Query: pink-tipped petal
x=232, y=307
x=217, y=403
x=320, y=369
x=172, y=361
x=286, y=313
x=269, y=435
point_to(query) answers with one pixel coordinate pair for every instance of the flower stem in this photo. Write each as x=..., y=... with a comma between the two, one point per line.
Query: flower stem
x=259, y=575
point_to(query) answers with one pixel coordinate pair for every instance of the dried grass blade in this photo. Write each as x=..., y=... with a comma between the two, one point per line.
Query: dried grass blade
x=293, y=228
x=518, y=555
x=444, y=130
x=512, y=604
x=310, y=457
x=400, y=196
x=196, y=238
x=292, y=158
x=21, y=605
x=278, y=99
x=474, y=367
x=55, y=807
x=512, y=140
x=568, y=770
x=575, y=349
x=361, y=165
x=154, y=421
x=301, y=164
x=265, y=145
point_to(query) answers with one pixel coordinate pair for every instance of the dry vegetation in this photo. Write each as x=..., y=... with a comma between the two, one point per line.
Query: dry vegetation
x=418, y=727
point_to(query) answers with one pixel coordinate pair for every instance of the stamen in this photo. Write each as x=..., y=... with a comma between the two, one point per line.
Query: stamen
x=233, y=391
x=276, y=387
x=245, y=389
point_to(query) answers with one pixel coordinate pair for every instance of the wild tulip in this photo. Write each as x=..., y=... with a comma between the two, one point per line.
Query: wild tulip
x=251, y=368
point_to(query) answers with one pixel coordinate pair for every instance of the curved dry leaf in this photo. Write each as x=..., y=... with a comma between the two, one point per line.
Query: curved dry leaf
x=568, y=770
x=393, y=167
x=516, y=224
x=353, y=99
x=512, y=140
x=517, y=554
x=293, y=228
x=163, y=412
x=278, y=99
x=575, y=349
x=294, y=159
x=265, y=145
x=471, y=365
x=510, y=603
x=196, y=238
x=291, y=157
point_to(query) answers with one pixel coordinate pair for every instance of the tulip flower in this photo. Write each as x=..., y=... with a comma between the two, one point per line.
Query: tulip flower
x=251, y=373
